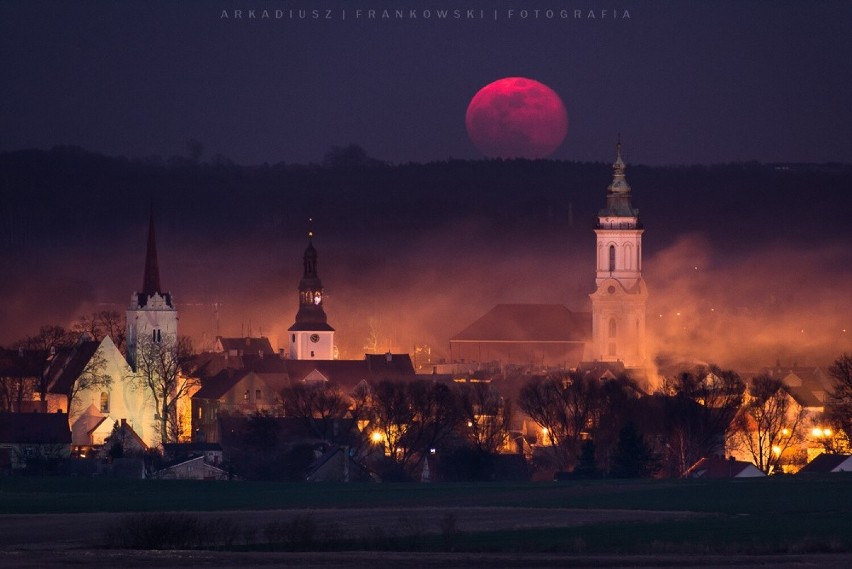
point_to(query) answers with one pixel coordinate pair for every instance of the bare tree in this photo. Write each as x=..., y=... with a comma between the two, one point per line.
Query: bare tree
x=21, y=373
x=768, y=423
x=316, y=405
x=411, y=418
x=92, y=377
x=697, y=412
x=49, y=337
x=488, y=416
x=163, y=370
x=104, y=323
x=839, y=408
x=566, y=407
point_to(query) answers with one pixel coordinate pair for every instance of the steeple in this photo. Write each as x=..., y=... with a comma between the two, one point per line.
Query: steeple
x=151, y=315
x=618, y=202
x=618, y=304
x=310, y=289
x=310, y=336
x=151, y=280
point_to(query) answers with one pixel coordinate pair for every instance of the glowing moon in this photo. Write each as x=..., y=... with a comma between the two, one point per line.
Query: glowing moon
x=516, y=117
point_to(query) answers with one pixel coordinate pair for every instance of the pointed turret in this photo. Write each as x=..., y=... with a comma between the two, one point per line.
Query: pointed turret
x=151, y=314
x=151, y=280
x=618, y=202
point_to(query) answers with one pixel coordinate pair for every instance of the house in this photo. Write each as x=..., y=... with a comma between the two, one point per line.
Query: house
x=243, y=346
x=828, y=463
x=718, y=467
x=338, y=465
x=191, y=469
x=212, y=452
x=21, y=372
x=542, y=335
x=25, y=437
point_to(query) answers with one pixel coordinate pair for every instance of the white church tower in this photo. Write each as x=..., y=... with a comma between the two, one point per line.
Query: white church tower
x=311, y=338
x=618, y=304
x=151, y=314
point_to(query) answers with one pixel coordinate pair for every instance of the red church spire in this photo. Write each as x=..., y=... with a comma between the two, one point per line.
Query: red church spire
x=151, y=281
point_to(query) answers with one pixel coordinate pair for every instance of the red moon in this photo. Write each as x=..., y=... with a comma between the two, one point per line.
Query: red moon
x=516, y=117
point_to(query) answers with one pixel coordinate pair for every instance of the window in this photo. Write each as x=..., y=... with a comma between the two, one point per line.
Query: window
x=312, y=353
x=612, y=349
x=200, y=412
x=104, y=402
x=612, y=327
x=156, y=336
x=257, y=395
x=293, y=338
x=611, y=258
x=246, y=395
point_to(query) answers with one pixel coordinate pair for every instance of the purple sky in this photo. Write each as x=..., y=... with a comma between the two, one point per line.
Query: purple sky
x=684, y=82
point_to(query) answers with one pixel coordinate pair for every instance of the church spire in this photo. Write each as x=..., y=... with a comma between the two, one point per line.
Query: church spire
x=618, y=203
x=151, y=280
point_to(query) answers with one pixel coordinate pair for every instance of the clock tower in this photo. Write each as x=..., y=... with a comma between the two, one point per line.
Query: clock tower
x=618, y=304
x=311, y=338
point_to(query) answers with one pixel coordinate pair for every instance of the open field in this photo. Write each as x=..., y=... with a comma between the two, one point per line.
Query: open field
x=782, y=521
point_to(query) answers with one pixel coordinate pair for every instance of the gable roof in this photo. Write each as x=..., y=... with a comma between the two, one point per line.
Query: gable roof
x=829, y=463
x=246, y=345
x=528, y=323
x=717, y=467
x=390, y=366
x=345, y=373
x=217, y=386
x=67, y=365
x=34, y=428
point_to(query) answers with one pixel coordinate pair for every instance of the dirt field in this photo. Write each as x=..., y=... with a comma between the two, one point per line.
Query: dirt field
x=73, y=531
x=72, y=540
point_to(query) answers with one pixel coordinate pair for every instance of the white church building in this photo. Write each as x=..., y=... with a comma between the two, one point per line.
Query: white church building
x=554, y=336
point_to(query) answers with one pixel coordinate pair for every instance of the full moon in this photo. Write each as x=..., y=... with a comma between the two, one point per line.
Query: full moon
x=516, y=117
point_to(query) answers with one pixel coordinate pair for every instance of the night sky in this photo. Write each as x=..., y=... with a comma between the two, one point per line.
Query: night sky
x=684, y=82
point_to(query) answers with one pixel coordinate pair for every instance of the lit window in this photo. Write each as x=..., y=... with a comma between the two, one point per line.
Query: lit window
x=246, y=395
x=104, y=402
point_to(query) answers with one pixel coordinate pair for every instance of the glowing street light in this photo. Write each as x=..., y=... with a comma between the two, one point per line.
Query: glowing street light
x=376, y=437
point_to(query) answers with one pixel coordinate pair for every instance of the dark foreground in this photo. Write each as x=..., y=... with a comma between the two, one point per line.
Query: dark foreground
x=389, y=560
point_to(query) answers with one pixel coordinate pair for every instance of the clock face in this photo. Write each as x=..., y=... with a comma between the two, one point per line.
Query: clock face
x=314, y=338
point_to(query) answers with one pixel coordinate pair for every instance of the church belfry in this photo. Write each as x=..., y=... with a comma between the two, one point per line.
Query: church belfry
x=618, y=304
x=311, y=338
x=151, y=315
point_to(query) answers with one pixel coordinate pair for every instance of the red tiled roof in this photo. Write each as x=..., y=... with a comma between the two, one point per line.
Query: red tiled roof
x=528, y=323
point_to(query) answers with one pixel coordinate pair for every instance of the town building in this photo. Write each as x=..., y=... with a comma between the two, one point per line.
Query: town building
x=551, y=335
x=151, y=316
x=311, y=337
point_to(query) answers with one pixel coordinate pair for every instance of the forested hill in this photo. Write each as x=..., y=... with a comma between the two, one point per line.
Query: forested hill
x=67, y=195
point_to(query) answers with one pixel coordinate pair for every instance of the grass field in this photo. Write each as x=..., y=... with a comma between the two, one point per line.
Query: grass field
x=777, y=515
